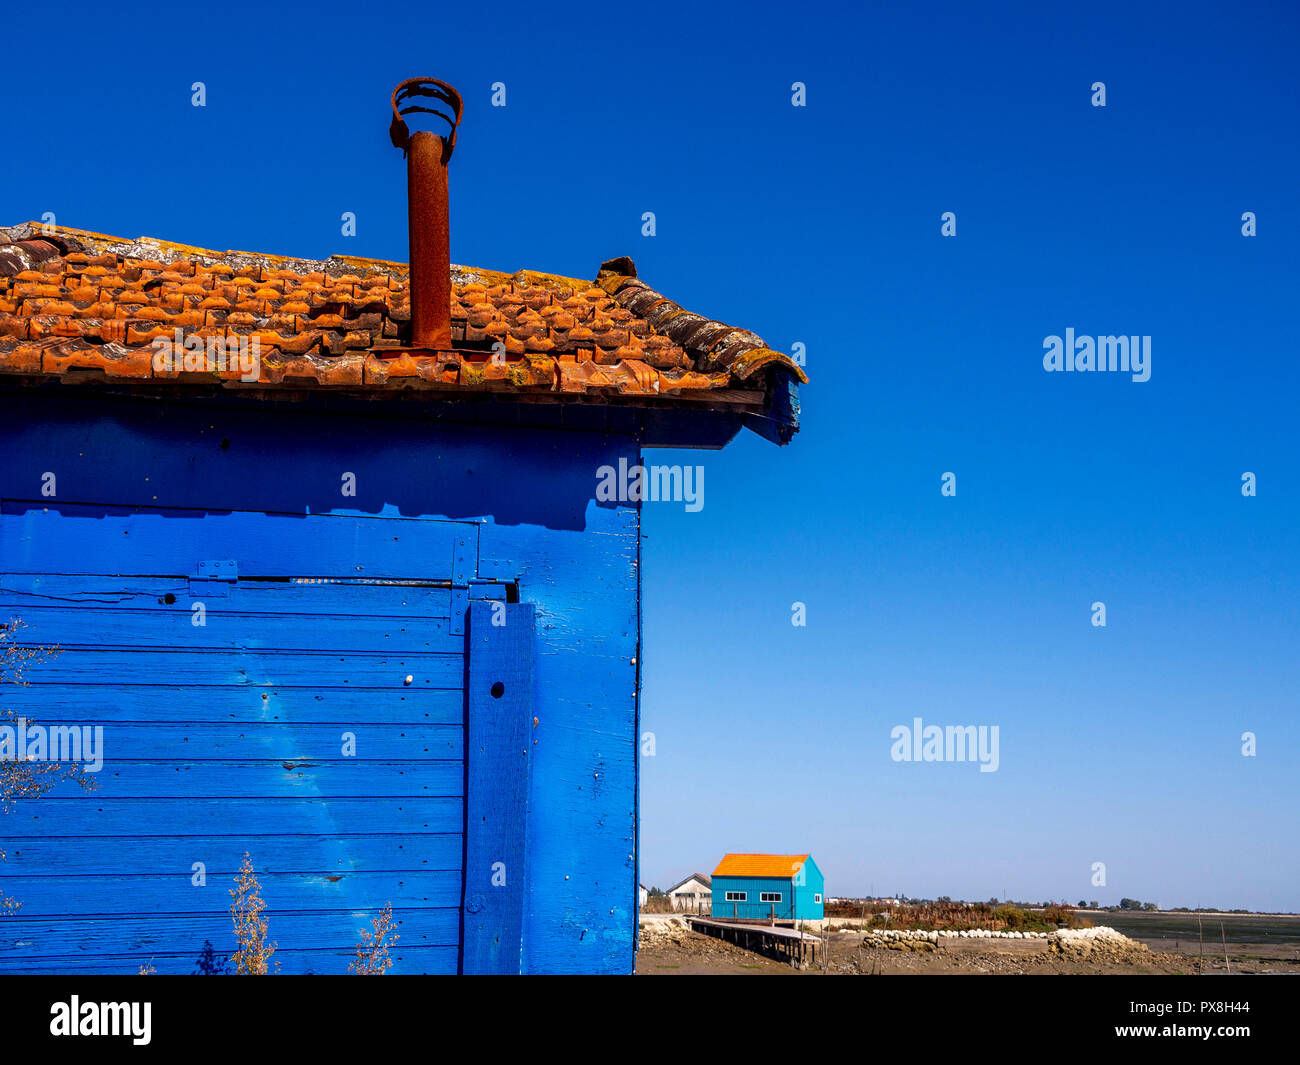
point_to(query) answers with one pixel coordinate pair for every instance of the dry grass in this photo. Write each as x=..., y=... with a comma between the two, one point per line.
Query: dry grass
x=26, y=779
x=959, y=916
x=253, y=954
x=372, y=952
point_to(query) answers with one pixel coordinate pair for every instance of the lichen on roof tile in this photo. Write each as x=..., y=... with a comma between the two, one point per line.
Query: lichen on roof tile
x=75, y=302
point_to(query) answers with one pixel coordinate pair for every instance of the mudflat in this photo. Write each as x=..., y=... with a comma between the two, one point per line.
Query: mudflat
x=672, y=949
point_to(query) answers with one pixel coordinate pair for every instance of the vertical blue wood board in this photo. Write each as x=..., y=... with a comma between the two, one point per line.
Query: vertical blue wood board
x=499, y=728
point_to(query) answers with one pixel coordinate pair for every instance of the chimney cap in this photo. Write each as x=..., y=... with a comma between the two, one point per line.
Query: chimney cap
x=429, y=88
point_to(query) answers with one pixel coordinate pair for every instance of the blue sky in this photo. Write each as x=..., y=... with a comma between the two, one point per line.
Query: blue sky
x=821, y=225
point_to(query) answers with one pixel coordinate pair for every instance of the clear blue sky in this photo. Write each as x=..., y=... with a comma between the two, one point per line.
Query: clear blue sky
x=821, y=225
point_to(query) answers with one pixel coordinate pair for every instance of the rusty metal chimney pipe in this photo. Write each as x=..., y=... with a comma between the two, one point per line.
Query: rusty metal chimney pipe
x=427, y=196
x=430, y=243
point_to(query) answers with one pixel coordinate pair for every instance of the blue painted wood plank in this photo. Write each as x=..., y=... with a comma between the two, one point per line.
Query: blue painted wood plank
x=244, y=704
x=172, y=626
x=141, y=936
x=177, y=895
x=396, y=603
x=411, y=464
x=38, y=538
x=201, y=669
x=100, y=814
x=499, y=726
x=280, y=778
x=192, y=742
x=407, y=961
x=241, y=705
x=168, y=855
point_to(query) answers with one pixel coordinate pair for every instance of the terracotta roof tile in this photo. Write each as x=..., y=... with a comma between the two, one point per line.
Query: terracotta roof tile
x=765, y=865
x=74, y=301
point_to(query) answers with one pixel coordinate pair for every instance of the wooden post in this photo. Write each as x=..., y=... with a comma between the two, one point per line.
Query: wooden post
x=498, y=755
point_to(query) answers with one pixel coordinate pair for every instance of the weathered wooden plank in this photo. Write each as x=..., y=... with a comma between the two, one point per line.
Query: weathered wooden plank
x=139, y=541
x=98, y=814
x=301, y=669
x=276, y=598
x=176, y=895
x=407, y=961
x=339, y=778
x=142, y=936
x=499, y=718
x=168, y=855
x=281, y=742
x=237, y=705
x=171, y=627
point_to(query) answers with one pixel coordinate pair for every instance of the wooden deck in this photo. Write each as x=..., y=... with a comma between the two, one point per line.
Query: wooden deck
x=774, y=941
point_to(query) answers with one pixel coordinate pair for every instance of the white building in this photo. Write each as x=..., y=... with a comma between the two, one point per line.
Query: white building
x=694, y=894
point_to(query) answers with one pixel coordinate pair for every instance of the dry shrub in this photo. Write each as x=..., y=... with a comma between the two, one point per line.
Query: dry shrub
x=372, y=952
x=253, y=953
x=958, y=916
x=28, y=779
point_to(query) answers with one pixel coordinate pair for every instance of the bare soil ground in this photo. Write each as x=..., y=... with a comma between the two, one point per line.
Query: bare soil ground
x=677, y=951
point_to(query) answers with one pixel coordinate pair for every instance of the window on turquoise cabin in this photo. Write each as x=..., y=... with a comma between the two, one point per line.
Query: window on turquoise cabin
x=737, y=896
x=769, y=896
x=817, y=899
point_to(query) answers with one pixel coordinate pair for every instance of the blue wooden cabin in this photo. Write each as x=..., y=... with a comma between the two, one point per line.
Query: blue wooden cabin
x=361, y=611
x=782, y=887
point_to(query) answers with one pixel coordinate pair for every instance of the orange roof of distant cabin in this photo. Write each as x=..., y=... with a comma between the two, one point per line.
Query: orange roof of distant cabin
x=778, y=865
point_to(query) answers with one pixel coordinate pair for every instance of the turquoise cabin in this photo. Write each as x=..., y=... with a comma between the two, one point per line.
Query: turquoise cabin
x=752, y=887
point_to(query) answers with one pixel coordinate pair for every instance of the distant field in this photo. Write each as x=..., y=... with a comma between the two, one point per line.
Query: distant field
x=1181, y=927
